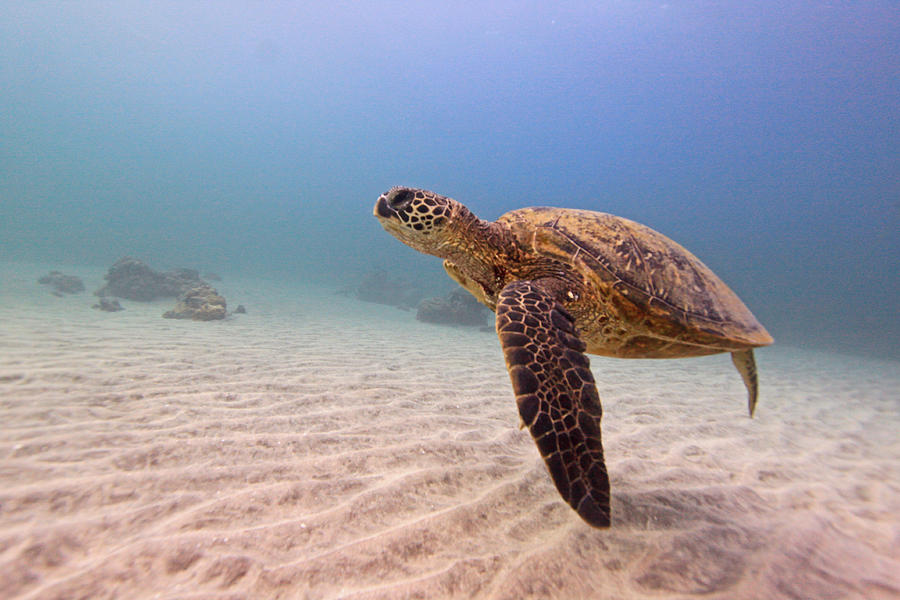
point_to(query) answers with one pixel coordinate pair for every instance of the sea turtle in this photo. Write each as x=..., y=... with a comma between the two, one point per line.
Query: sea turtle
x=564, y=282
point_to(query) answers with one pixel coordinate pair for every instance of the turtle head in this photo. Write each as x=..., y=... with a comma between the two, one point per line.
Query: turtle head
x=423, y=220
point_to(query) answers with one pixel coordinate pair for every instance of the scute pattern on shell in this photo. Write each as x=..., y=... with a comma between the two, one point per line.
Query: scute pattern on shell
x=652, y=271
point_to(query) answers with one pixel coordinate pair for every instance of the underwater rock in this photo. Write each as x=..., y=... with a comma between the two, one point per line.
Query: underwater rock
x=381, y=288
x=132, y=279
x=457, y=308
x=200, y=303
x=240, y=310
x=105, y=304
x=62, y=284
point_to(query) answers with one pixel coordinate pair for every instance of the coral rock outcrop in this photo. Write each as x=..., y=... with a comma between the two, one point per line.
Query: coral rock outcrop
x=200, y=303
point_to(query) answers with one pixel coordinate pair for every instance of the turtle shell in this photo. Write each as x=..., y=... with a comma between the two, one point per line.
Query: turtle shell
x=641, y=268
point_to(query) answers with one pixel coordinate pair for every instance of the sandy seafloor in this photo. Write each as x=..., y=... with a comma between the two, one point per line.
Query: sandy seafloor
x=320, y=447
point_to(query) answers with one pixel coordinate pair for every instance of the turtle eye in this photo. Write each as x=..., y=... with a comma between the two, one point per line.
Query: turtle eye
x=400, y=199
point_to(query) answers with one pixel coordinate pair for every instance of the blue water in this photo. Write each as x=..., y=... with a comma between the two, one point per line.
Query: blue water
x=255, y=137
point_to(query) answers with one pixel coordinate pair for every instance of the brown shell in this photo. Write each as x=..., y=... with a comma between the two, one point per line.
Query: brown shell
x=654, y=273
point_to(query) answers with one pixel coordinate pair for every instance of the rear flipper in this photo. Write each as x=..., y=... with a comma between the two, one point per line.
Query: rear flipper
x=746, y=366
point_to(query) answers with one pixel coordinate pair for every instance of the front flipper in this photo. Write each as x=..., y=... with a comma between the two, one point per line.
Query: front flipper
x=556, y=395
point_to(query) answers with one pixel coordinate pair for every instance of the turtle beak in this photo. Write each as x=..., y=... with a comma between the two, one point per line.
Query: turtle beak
x=393, y=202
x=383, y=209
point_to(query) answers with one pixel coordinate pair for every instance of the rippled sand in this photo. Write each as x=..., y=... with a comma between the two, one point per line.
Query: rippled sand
x=319, y=447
